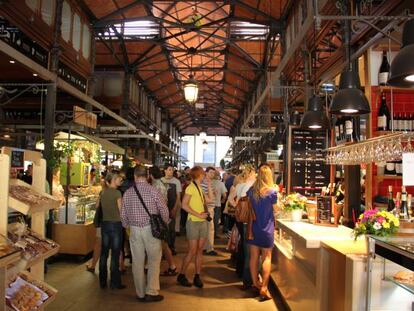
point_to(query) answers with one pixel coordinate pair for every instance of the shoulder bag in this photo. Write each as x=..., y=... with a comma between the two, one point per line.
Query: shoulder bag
x=97, y=219
x=159, y=228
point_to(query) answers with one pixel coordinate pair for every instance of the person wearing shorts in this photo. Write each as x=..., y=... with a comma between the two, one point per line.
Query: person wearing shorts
x=194, y=203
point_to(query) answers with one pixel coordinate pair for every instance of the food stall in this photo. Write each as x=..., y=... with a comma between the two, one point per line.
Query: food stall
x=73, y=228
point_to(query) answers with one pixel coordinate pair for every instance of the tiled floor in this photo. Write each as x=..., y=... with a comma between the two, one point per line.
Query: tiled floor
x=79, y=290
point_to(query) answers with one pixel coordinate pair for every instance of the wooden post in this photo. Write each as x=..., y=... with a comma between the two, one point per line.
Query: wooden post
x=4, y=192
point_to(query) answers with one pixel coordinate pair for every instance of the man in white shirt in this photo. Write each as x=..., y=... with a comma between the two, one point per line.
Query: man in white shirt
x=172, y=182
x=220, y=197
x=209, y=179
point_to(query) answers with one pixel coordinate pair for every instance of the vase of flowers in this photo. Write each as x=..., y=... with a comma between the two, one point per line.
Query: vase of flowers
x=376, y=222
x=295, y=204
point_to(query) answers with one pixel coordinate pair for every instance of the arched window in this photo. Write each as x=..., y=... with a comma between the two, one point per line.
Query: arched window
x=76, y=32
x=66, y=21
x=86, y=42
x=48, y=11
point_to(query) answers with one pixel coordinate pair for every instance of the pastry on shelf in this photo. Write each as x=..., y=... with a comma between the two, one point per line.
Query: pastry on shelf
x=405, y=277
x=22, y=295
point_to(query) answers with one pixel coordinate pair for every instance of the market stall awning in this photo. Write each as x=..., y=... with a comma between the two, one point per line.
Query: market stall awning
x=105, y=144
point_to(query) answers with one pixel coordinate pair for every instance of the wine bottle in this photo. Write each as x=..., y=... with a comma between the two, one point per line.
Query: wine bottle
x=337, y=131
x=406, y=119
x=398, y=122
x=394, y=122
x=403, y=207
x=397, y=204
x=341, y=130
x=349, y=129
x=384, y=70
x=391, y=204
x=384, y=116
x=409, y=203
x=389, y=168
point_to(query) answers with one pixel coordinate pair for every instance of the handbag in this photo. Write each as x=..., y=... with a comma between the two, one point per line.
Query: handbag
x=97, y=219
x=159, y=228
x=242, y=211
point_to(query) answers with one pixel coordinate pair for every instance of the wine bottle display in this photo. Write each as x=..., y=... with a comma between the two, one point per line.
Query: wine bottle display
x=384, y=70
x=384, y=115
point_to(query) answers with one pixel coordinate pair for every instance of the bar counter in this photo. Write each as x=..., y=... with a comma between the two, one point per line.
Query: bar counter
x=323, y=268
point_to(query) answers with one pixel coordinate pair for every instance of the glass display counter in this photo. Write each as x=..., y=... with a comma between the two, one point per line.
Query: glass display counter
x=397, y=254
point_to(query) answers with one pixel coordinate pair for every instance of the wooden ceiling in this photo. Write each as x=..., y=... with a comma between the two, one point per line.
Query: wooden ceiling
x=231, y=45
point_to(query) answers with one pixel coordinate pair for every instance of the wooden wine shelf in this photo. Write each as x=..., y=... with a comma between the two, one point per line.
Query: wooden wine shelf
x=384, y=177
x=396, y=89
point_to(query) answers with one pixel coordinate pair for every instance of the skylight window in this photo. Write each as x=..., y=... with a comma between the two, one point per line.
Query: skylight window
x=143, y=29
x=247, y=30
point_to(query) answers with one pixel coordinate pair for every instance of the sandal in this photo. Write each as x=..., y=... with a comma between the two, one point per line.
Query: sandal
x=170, y=272
x=264, y=295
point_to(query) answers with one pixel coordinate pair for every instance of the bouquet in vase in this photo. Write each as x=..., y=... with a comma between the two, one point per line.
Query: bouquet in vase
x=294, y=201
x=375, y=222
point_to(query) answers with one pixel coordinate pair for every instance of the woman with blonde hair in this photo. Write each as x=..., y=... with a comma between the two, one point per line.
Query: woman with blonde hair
x=263, y=197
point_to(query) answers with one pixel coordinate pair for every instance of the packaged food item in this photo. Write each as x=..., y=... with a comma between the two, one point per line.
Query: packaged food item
x=32, y=244
x=21, y=295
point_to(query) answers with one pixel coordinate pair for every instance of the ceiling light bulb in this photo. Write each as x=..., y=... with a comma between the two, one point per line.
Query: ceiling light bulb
x=11, y=61
x=6, y=136
x=35, y=75
x=349, y=110
x=315, y=126
x=409, y=78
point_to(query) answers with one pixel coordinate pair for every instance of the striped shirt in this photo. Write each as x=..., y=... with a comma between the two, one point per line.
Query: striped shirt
x=134, y=214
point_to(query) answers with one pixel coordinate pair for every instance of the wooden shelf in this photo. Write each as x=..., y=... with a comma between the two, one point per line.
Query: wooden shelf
x=10, y=258
x=395, y=89
x=391, y=177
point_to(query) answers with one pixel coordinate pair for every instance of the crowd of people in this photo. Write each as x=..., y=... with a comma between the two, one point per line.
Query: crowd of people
x=195, y=202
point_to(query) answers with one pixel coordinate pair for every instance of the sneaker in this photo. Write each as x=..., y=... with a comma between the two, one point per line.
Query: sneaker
x=183, y=281
x=211, y=253
x=197, y=281
x=153, y=298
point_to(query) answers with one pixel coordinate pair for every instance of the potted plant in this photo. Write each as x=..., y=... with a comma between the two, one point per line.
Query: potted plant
x=295, y=204
x=376, y=222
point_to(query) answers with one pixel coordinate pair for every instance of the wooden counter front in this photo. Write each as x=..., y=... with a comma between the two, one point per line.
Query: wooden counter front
x=74, y=239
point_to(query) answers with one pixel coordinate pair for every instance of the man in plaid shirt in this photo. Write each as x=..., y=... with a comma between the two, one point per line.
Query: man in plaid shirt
x=142, y=242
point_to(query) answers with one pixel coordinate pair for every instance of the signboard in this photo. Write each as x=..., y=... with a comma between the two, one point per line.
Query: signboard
x=308, y=172
x=408, y=169
x=326, y=213
x=84, y=117
x=17, y=159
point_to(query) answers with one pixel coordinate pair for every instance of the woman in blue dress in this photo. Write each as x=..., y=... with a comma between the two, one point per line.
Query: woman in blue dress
x=263, y=197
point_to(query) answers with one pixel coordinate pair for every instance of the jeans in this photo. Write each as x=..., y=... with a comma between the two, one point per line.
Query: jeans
x=171, y=234
x=217, y=212
x=243, y=256
x=144, y=244
x=111, y=240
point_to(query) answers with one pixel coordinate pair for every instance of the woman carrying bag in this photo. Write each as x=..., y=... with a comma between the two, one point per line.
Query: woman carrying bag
x=263, y=198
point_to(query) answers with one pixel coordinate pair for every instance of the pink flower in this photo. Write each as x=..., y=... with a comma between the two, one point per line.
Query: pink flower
x=380, y=219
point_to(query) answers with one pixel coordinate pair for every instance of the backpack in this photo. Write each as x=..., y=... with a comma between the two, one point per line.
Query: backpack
x=171, y=195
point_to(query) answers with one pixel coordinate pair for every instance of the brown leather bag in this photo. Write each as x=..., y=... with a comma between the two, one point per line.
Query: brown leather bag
x=243, y=210
x=245, y=213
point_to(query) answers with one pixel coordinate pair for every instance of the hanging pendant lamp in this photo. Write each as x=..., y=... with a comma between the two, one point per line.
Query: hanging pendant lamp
x=349, y=100
x=402, y=67
x=191, y=90
x=315, y=117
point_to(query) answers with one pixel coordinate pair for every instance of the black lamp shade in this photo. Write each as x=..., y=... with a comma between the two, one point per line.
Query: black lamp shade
x=349, y=100
x=402, y=67
x=315, y=117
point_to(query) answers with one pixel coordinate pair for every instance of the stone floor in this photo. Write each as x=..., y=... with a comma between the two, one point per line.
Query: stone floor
x=79, y=290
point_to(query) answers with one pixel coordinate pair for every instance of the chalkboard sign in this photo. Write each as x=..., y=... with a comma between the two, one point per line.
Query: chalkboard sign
x=326, y=213
x=308, y=172
x=17, y=159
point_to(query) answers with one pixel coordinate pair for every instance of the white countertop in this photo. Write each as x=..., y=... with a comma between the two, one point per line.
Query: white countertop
x=312, y=234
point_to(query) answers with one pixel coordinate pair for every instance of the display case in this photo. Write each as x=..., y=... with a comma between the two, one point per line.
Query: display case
x=397, y=255
x=81, y=210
